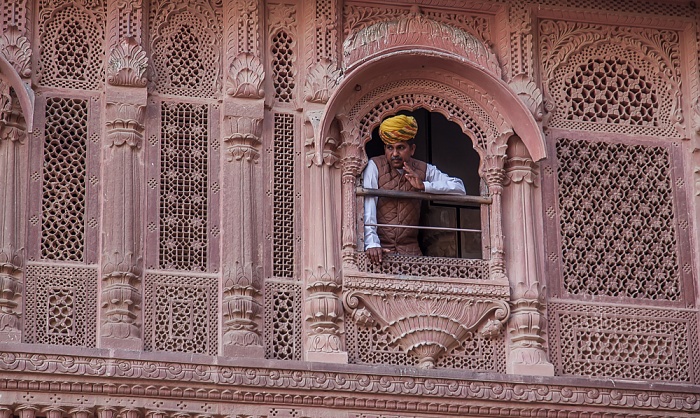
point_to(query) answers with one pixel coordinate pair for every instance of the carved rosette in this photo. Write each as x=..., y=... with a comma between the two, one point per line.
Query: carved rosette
x=17, y=50
x=240, y=307
x=245, y=77
x=322, y=81
x=324, y=310
x=243, y=138
x=121, y=299
x=127, y=64
x=424, y=319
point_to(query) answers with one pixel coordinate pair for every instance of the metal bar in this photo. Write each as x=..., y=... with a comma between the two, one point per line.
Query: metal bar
x=361, y=191
x=434, y=228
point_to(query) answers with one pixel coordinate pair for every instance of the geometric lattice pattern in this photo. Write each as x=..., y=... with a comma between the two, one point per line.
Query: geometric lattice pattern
x=282, y=70
x=425, y=266
x=183, y=186
x=611, y=91
x=72, y=48
x=282, y=320
x=371, y=345
x=617, y=221
x=63, y=188
x=283, y=194
x=624, y=342
x=181, y=314
x=61, y=305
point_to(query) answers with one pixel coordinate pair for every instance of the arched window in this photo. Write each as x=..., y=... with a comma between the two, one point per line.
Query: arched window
x=459, y=225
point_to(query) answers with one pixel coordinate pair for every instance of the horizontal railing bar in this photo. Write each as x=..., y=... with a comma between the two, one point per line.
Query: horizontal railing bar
x=434, y=228
x=361, y=191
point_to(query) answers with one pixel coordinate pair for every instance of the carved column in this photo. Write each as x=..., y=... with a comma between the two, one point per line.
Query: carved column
x=527, y=321
x=13, y=178
x=243, y=112
x=122, y=241
x=494, y=175
x=324, y=310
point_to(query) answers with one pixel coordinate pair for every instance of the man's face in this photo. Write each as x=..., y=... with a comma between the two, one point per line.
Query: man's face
x=399, y=153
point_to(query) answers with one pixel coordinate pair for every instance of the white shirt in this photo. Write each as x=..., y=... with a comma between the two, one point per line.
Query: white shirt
x=435, y=182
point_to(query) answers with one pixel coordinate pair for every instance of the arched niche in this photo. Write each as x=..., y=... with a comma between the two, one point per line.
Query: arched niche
x=24, y=93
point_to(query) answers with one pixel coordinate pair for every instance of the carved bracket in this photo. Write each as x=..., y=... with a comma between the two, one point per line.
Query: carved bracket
x=17, y=50
x=424, y=318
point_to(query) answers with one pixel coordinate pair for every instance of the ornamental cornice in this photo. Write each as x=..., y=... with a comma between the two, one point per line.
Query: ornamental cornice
x=357, y=387
x=589, y=15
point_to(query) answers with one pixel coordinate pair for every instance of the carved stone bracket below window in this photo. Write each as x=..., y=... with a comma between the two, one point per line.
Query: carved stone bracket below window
x=428, y=317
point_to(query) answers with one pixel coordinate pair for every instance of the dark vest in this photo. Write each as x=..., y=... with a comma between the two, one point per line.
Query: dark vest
x=398, y=211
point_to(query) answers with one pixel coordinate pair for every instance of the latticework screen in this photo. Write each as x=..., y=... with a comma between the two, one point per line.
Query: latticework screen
x=61, y=305
x=64, y=179
x=283, y=197
x=184, y=179
x=180, y=314
x=283, y=306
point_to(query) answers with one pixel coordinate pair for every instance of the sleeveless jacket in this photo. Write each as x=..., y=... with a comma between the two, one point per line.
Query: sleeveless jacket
x=398, y=211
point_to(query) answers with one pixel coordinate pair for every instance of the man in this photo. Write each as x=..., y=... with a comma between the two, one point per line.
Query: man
x=398, y=170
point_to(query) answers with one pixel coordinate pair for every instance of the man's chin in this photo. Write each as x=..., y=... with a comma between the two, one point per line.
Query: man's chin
x=397, y=164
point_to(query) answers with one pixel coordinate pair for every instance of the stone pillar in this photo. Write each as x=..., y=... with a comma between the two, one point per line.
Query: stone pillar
x=241, y=178
x=324, y=310
x=13, y=162
x=525, y=329
x=122, y=241
x=494, y=175
x=242, y=117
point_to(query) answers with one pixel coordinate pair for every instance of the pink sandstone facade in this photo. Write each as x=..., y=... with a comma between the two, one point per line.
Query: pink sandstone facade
x=181, y=229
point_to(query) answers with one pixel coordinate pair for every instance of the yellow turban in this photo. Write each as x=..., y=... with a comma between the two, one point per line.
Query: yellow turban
x=397, y=129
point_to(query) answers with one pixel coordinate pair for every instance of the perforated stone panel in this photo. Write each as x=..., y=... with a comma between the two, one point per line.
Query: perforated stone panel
x=282, y=70
x=186, y=52
x=282, y=321
x=424, y=266
x=284, y=199
x=624, y=342
x=184, y=180
x=61, y=305
x=613, y=88
x=617, y=221
x=63, y=186
x=371, y=345
x=72, y=45
x=181, y=313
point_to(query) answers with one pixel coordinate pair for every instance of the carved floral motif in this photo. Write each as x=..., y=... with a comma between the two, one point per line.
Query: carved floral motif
x=240, y=305
x=17, y=50
x=323, y=79
x=243, y=138
x=127, y=64
x=245, y=77
x=125, y=124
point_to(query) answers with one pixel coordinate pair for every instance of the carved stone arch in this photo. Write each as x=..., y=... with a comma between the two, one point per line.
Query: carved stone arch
x=24, y=93
x=481, y=123
x=187, y=21
x=653, y=56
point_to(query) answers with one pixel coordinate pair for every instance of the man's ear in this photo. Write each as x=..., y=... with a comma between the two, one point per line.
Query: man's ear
x=413, y=149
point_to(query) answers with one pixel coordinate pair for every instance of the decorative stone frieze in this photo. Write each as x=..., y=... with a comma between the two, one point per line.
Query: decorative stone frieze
x=415, y=29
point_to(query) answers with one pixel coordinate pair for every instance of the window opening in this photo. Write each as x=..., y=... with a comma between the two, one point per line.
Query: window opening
x=451, y=226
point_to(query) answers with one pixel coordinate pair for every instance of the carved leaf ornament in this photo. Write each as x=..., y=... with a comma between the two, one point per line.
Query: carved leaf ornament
x=416, y=29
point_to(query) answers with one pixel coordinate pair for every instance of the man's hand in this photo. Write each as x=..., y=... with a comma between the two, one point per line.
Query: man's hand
x=376, y=254
x=412, y=178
